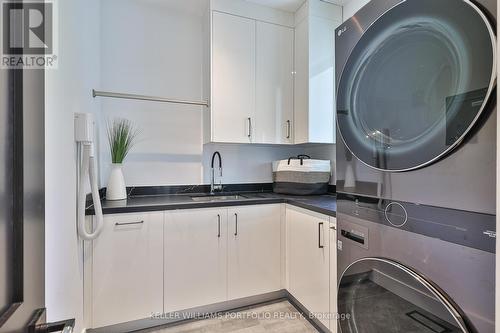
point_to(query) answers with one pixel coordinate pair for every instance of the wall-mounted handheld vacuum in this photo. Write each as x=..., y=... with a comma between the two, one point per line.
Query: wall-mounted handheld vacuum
x=84, y=136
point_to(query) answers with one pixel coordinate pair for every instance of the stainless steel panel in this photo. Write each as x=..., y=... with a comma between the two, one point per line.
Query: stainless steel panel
x=6, y=195
x=465, y=179
x=466, y=274
x=33, y=228
x=390, y=297
x=446, y=247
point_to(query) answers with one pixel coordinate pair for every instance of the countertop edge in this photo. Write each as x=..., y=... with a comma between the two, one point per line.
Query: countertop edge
x=195, y=205
x=313, y=208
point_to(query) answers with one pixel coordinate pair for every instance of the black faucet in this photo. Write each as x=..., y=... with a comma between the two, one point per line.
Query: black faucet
x=217, y=187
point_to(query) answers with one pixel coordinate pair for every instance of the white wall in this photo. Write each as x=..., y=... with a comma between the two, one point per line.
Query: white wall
x=351, y=7
x=155, y=48
x=107, y=45
x=248, y=163
x=67, y=91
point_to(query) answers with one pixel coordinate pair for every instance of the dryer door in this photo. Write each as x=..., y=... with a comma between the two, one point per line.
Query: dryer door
x=416, y=83
x=378, y=295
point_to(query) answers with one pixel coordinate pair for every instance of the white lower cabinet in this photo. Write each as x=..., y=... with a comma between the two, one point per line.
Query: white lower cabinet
x=176, y=260
x=309, y=261
x=213, y=255
x=127, y=269
x=254, y=250
x=195, y=258
x=333, y=274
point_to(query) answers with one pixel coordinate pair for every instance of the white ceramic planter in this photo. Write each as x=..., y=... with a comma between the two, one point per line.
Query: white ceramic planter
x=116, y=189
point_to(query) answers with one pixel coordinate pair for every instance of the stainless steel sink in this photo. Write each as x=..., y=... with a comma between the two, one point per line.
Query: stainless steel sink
x=210, y=198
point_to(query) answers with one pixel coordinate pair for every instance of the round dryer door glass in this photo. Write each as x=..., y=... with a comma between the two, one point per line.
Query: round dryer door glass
x=382, y=296
x=416, y=82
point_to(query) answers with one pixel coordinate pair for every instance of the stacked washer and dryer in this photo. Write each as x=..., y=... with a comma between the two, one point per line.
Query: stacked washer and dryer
x=416, y=167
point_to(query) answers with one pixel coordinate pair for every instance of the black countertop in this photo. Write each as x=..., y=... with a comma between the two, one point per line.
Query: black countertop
x=324, y=204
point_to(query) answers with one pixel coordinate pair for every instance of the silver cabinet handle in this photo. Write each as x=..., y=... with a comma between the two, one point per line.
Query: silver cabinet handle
x=320, y=226
x=489, y=233
x=129, y=223
x=218, y=225
x=64, y=326
x=288, y=129
x=235, y=224
x=249, y=127
x=67, y=329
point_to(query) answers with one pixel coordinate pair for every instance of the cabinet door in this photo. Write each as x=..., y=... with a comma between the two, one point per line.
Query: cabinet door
x=333, y=274
x=314, y=101
x=254, y=250
x=301, y=82
x=127, y=274
x=309, y=261
x=274, y=96
x=195, y=258
x=322, y=105
x=233, y=78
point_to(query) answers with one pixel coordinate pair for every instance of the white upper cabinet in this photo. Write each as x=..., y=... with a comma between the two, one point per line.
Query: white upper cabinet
x=251, y=74
x=233, y=78
x=315, y=104
x=272, y=73
x=274, y=99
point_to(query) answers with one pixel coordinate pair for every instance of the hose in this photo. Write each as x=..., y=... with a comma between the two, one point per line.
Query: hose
x=89, y=169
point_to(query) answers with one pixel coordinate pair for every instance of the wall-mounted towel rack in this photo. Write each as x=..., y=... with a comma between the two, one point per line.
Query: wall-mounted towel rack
x=97, y=93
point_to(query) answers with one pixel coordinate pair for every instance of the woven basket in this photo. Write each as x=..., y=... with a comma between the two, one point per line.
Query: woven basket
x=301, y=176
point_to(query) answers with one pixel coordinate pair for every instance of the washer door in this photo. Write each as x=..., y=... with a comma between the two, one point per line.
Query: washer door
x=416, y=82
x=378, y=295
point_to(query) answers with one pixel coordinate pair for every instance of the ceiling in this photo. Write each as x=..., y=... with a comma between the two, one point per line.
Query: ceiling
x=290, y=5
x=189, y=7
x=197, y=7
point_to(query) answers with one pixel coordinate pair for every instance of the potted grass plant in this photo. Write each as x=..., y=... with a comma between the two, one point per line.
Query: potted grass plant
x=122, y=135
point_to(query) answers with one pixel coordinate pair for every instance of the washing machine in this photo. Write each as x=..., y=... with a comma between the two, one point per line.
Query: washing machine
x=416, y=166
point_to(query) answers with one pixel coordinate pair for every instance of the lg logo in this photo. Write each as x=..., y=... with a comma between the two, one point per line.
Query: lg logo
x=341, y=31
x=27, y=28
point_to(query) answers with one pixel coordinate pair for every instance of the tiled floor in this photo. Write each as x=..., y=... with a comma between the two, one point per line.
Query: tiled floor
x=279, y=317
